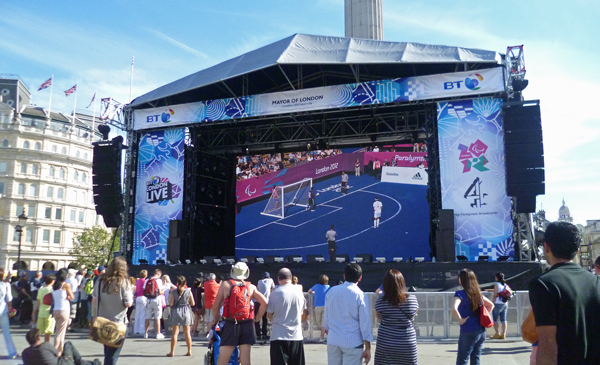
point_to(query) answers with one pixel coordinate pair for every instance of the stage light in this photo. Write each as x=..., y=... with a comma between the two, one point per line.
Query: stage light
x=260, y=260
x=340, y=259
x=358, y=259
x=462, y=258
x=245, y=260
x=160, y=262
x=483, y=258
x=278, y=259
x=398, y=259
x=381, y=260
x=188, y=262
x=297, y=259
x=104, y=130
x=143, y=262
x=217, y=261
x=230, y=261
x=519, y=84
x=419, y=259
x=503, y=258
x=203, y=261
x=320, y=259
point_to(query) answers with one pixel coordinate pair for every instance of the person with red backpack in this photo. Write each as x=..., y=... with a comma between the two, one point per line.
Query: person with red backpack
x=235, y=296
x=152, y=291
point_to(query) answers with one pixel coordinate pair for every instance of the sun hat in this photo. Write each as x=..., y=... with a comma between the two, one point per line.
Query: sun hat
x=240, y=271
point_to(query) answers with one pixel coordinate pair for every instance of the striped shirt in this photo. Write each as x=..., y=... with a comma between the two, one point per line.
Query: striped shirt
x=347, y=316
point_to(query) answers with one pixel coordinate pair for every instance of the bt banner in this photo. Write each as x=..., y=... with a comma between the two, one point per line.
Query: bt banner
x=473, y=176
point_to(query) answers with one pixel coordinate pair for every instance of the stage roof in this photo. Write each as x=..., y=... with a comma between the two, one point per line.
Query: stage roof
x=331, y=55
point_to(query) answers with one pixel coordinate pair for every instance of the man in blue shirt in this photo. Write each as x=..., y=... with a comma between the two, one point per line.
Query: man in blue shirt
x=347, y=321
x=319, y=290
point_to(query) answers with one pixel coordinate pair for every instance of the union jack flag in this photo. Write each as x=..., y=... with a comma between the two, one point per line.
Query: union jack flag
x=46, y=84
x=71, y=90
x=93, y=98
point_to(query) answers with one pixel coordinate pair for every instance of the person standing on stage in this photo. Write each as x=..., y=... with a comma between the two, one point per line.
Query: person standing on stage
x=377, y=206
x=344, y=188
x=311, y=200
x=357, y=167
x=330, y=236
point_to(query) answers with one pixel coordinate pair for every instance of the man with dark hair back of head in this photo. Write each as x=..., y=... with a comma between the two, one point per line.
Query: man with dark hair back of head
x=347, y=321
x=43, y=353
x=285, y=307
x=566, y=302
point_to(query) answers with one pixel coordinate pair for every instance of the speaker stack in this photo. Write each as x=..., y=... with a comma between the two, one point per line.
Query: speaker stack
x=524, y=153
x=106, y=181
x=174, y=241
x=445, y=251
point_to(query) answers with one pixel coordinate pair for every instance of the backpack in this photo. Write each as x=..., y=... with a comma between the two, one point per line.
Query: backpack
x=151, y=290
x=89, y=286
x=506, y=294
x=238, y=305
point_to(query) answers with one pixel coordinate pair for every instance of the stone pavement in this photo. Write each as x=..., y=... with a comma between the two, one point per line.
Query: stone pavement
x=152, y=351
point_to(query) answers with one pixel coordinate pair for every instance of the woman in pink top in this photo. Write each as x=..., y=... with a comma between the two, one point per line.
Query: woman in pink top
x=140, y=304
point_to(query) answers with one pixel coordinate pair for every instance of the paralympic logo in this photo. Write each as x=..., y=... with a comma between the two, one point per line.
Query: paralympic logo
x=249, y=192
x=472, y=84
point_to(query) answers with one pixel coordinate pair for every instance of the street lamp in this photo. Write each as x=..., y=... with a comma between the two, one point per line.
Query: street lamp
x=19, y=228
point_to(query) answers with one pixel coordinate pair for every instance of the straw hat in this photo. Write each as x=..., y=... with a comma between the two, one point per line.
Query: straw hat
x=240, y=271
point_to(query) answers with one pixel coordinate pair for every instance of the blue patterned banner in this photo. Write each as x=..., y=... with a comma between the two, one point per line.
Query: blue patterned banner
x=473, y=176
x=398, y=90
x=159, y=192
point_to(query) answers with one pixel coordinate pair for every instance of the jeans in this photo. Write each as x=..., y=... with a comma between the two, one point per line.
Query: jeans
x=257, y=326
x=344, y=355
x=469, y=346
x=5, y=325
x=71, y=356
x=111, y=354
x=500, y=310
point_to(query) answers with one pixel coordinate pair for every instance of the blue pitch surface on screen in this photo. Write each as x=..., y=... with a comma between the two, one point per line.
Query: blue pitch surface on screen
x=403, y=229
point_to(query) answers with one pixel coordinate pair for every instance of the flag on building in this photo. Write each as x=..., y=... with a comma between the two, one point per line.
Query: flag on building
x=93, y=98
x=46, y=84
x=71, y=90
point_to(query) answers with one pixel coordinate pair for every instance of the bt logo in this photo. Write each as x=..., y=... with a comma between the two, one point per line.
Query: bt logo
x=470, y=83
x=165, y=117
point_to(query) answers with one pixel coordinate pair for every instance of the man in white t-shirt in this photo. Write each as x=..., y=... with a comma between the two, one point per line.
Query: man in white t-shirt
x=154, y=307
x=265, y=286
x=377, y=206
x=285, y=307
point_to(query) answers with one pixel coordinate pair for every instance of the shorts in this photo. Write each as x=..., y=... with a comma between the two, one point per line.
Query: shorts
x=242, y=335
x=319, y=314
x=209, y=316
x=500, y=310
x=153, y=309
x=46, y=325
x=36, y=305
x=73, y=312
x=377, y=215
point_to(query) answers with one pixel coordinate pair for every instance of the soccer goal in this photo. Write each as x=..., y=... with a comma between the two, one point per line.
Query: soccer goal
x=287, y=195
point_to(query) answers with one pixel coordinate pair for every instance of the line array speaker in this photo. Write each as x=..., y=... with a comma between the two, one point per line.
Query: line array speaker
x=106, y=180
x=444, y=249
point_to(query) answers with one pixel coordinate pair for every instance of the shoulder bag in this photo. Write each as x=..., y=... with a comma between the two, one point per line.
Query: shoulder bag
x=105, y=331
x=485, y=318
x=528, y=329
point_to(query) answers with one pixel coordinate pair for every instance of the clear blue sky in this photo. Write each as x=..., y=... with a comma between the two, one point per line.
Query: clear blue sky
x=91, y=43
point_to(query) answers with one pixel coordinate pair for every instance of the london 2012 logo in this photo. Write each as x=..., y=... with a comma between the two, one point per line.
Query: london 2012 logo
x=473, y=156
x=161, y=190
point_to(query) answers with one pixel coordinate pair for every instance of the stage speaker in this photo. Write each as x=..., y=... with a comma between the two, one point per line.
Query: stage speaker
x=313, y=258
x=106, y=181
x=175, y=228
x=229, y=260
x=272, y=259
x=210, y=259
x=525, y=203
x=444, y=245
x=344, y=256
x=249, y=259
x=367, y=257
x=290, y=258
x=174, y=249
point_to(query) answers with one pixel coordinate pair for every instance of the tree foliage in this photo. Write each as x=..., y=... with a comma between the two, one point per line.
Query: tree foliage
x=91, y=247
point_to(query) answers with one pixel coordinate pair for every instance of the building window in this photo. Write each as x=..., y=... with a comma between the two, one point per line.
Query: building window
x=38, y=146
x=53, y=149
x=77, y=154
x=2, y=166
x=33, y=190
x=48, y=213
x=60, y=193
x=5, y=143
x=56, y=236
x=58, y=213
x=29, y=235
x=82, y=197
x=16, y=236
x=1, y=188
x=21, y=189
x=84, y=177
x=46, y=236
x=23, y=167
x=85, y=155
x=31, y=211
x=19, y=210
x=35, y=169
x=49, y=192
x=51, y=171
x=26, y=144
x=73, y=213
x=63, y=150
x=75, y=176
x=61, y=173
x=80, y=217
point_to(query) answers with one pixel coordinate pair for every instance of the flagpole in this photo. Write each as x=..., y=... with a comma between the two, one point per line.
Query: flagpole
x=50, y=102
x=74, y=103
x=94, y=118
x=131, y=80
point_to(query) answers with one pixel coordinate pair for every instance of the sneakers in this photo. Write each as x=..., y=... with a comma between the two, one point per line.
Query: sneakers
x=321, y=340
x=145, y=335
x=160, y=336
x=498, y=336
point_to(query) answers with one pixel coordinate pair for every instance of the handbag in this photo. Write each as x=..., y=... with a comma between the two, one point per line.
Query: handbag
x=485, y=318
x=105, y=331
x=528, y=329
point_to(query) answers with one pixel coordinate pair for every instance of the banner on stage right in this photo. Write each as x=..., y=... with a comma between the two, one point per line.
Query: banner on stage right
x=472, y=172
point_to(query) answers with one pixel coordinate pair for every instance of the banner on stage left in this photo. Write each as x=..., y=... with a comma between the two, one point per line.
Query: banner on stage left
x=159, y=192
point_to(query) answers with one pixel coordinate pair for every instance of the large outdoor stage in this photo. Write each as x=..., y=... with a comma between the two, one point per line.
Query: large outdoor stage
x=424, y=276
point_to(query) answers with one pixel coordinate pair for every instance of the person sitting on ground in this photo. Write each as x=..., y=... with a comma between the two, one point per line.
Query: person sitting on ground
x=43, y=353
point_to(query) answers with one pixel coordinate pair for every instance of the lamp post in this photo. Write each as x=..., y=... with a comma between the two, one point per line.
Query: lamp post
x=19, y=228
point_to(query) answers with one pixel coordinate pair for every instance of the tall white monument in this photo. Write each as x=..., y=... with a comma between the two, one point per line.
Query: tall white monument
x=364, y=19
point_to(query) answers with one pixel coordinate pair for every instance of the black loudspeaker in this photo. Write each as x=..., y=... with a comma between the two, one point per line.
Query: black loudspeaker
x=174, y=249
x=524, y=153
x=444, y=245
x=250, y=259
x=343, y=256
x=290, y=258
x=270, y=259
x=175, y=228
x=367, y=257
x=106, y=181
x=313, y=258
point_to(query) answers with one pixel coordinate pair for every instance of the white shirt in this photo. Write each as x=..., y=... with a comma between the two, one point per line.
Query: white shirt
x=377, y=206
x=265, y=286
x=286, y=303
x=347, y=316
x=5, y=295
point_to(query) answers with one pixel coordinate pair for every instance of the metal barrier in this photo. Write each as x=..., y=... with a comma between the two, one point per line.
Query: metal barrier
x=434, y=319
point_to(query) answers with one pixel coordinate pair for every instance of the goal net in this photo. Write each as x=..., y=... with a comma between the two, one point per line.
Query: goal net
x=286, y=196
